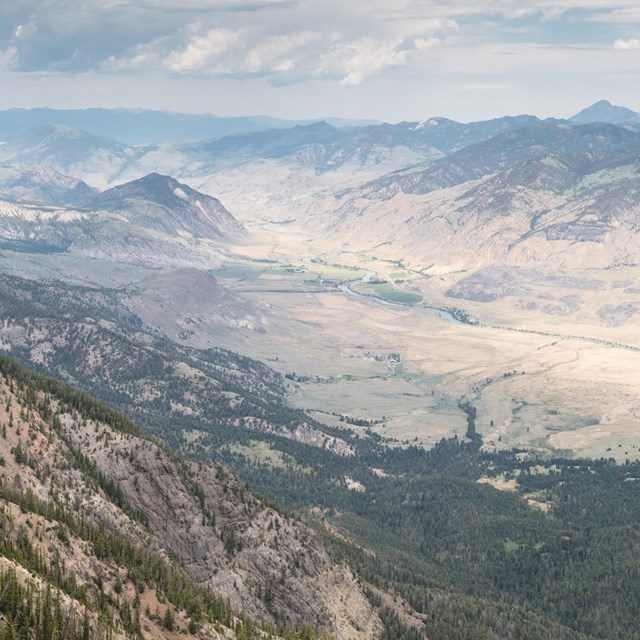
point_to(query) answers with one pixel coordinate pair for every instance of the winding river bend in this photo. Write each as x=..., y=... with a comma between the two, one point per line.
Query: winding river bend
x=445, y=314
x=448, y=316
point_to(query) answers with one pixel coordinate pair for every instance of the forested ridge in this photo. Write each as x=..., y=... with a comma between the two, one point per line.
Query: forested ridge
x=43, y=592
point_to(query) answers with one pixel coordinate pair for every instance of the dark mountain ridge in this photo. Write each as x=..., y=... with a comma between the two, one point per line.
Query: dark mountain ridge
x=162, y=203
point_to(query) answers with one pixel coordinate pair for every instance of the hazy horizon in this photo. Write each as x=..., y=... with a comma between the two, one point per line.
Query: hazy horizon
x=297, y=59
x=309, y=119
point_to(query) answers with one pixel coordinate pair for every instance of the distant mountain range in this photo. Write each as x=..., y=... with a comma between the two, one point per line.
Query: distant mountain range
x=550, y=194
x=509, y=156
x=143, y=126
x=119, y=145
x=557, y=180
x=320, y=147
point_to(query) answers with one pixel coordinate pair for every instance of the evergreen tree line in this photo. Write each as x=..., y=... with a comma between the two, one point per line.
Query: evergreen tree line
x=145, y=570
x=27, y=611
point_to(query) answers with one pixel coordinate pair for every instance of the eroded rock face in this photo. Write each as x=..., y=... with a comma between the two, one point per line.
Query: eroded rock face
x=267, y=564
x=39, y=465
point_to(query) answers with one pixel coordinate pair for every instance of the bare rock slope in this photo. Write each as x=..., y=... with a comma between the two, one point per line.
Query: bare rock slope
x=269, y=566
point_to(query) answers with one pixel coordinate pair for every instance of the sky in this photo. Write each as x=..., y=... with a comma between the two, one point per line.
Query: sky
x=388, y=60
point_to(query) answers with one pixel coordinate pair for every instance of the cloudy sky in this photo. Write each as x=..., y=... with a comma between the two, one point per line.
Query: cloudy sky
x=385, y=59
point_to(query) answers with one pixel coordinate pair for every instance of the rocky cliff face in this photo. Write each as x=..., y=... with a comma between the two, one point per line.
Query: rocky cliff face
x=269, y=566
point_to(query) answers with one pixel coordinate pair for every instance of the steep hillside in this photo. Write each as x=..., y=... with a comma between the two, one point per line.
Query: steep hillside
x=107, y=501
x=95, y=237
x=499, y=153
x=162, y=203
x=545, y=197
x=122, y=527
x=184, y=301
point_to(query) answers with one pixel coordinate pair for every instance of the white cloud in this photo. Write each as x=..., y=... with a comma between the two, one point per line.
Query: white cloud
x=358, y=60
x=627, y=45
x=287, y=41
x=293, y=56
x=434, y=25
x=202, y=52
x=279, y=53
x=518, y=14
x=618, y=15
x=396, y=52
x=353, y=61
